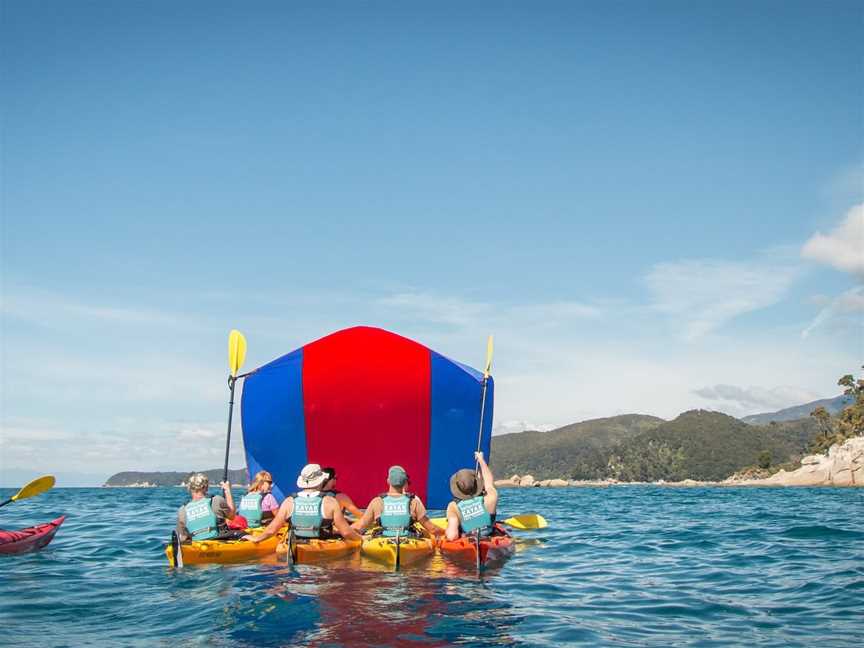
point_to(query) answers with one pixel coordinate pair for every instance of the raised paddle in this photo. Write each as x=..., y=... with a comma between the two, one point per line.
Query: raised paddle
x=522, y=522
x=236, y=356
x=33, y=488
x=489, y=348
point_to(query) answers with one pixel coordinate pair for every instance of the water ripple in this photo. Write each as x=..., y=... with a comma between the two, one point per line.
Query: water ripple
x=629, y=566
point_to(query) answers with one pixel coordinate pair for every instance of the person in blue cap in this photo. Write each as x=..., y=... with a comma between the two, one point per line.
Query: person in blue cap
x=396, y=512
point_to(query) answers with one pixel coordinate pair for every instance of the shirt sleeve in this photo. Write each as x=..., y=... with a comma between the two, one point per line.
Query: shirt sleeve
x=182, y=531
x=220, y=507
x=269, y=503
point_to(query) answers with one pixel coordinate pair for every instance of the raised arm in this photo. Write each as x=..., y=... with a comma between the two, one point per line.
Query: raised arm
x=491, y=499
x=229, y=499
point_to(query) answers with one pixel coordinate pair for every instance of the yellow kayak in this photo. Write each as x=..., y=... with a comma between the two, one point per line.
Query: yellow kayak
x=201, y=552
x=409, y=549
x=314, y=550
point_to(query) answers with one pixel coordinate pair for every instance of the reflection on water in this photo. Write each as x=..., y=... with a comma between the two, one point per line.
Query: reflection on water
x=356, y=601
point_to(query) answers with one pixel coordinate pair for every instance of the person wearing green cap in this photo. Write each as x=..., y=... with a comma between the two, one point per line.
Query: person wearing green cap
x=396, y=512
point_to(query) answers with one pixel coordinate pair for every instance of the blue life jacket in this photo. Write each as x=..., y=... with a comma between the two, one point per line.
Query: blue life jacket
x=396, y=515
x=473, y=515
x=307, y=517
x=201, y=521
x=250, y=508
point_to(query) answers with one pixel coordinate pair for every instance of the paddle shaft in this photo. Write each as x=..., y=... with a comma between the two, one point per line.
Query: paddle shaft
x=231, y=382
x=482, y=414
x=8, y=501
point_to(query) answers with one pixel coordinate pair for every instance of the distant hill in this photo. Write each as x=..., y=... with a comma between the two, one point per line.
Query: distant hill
x=833, y=405
x=706, y=445
x=577, y=451
x=698, y=445
x=236, y=477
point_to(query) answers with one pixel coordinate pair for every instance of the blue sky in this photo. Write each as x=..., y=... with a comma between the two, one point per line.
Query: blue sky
x=653, y=206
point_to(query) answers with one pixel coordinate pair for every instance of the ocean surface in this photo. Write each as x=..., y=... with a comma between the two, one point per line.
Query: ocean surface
x=622, y=566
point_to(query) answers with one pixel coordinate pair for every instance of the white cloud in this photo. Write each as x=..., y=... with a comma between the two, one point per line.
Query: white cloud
x=703, y=295
x=463, y=313
x=515, y=425
x=850, y=302
x=50, y=310
x=843, y=247
x=751, y=400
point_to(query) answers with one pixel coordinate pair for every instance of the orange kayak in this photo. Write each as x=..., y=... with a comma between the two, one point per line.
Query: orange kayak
x=494, y=549
x=202, y=552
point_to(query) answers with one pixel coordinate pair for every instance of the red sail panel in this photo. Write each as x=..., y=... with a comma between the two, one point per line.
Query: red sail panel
x=366, y=400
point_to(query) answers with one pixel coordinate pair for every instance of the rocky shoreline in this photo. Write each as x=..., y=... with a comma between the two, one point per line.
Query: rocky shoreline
x=843, y=465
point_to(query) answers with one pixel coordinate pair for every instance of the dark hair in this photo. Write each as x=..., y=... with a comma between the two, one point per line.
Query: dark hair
x=330, y=471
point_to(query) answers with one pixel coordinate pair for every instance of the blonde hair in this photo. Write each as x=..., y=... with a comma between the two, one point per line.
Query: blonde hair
x=198, y=483
x=260, y=477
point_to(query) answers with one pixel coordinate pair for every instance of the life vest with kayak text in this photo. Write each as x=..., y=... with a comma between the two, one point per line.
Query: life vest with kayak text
x=473, y=515
x=395, y=515
x=307, y=516
x=250, y=508
x=201, y=521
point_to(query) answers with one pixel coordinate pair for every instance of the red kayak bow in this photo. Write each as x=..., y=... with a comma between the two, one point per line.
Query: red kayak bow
x=29, y=539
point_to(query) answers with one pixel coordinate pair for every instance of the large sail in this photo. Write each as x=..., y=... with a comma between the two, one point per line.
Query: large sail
x=360, y=400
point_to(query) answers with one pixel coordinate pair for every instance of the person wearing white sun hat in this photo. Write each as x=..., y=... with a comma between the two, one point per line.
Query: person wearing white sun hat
x=312, y=513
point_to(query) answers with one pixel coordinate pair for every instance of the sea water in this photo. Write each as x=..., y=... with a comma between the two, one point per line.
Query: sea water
x=619, y=566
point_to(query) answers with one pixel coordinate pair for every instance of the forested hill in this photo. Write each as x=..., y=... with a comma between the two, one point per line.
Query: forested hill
x=236, y=477
x=698, y=445
x=577, y=451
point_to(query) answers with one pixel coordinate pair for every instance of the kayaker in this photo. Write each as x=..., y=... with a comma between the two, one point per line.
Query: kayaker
x=312, y=513
x=344, y=500
x=205, y=518
x=396, y=511
x=259, y=506
x=475, y=501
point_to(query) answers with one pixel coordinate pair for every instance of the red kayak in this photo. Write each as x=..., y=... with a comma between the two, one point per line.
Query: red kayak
x=493, y=549
x=29, y=539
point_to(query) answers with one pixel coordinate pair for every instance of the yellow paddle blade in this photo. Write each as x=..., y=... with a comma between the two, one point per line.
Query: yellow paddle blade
x=35, y=487
x=489, y=347
x=236, y=351
x=441, y=523
x=527, y=521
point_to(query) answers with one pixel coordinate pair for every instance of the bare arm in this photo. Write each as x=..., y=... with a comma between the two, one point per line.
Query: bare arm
x=368, y=517
x=452, y=532
x=490, y=501
x=281, y=517
x=339, y=522
x=418, y=512
x=347, y=503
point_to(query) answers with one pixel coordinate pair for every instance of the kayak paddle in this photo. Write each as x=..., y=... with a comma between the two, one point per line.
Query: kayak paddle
x=35, y=487
x=521, y=522
x=483, y=399
x=236, y=356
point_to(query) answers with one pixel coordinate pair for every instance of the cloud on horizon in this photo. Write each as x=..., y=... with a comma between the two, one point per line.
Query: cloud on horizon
x=742, y=401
